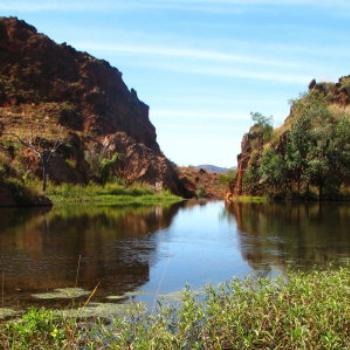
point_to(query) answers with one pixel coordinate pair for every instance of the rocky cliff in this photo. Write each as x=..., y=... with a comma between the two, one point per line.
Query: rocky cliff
x=205, y=184
x=308, y=153
x=51, y=92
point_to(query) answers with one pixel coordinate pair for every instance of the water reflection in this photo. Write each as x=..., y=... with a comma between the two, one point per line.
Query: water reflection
x=158, y=250
x=294, y=234
x=39, y=251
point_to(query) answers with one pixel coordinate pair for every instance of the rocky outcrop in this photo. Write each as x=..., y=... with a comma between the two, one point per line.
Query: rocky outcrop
x=202, y=183
x=14, y=195
x=336, y=98
x=252, y=142
x=56, y=92
x=140, y=163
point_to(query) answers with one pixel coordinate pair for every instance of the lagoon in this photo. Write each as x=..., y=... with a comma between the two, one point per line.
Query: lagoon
x=146, y=253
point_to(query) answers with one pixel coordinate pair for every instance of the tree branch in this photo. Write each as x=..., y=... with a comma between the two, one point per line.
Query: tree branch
x=24, y=143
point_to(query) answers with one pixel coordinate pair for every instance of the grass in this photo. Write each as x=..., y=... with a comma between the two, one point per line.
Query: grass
x=250, y=199
x=111, y=194
x=303, y=311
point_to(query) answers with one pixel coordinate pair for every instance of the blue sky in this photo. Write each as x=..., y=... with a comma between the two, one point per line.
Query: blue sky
x=204, y=65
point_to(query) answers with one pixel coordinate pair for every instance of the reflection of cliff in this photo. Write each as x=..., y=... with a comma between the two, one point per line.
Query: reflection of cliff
x=116, y=245
x=302, y=234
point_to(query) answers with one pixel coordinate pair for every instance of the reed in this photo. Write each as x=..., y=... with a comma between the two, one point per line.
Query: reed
x=77, y=273
x=304, y=311
x=3, y=288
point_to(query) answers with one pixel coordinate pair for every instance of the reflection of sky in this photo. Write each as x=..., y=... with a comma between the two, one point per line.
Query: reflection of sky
x=203, y=65
x=197, y=249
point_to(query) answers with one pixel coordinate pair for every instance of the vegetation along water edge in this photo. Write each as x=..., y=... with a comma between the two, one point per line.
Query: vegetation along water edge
x=301, y=311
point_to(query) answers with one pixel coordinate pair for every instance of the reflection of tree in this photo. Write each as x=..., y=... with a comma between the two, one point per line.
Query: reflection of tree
x=117, y=247
x=291, y=233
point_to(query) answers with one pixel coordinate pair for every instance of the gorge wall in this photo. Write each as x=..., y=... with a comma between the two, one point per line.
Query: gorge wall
x=308, y=154
x=51, y=92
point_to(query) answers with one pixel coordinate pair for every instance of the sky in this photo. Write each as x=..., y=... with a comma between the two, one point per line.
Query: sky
x=203, y=65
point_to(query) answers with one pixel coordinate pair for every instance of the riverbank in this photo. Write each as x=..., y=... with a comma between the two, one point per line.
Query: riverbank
x=13, y=193
x=248, y=199
x=111, y=194
x=306, y=310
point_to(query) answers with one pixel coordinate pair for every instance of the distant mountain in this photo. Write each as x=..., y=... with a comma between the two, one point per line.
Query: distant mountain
x=212, y=168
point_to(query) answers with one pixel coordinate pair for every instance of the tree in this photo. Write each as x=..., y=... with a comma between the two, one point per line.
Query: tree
x=260, y=119
x=264, y=125
x=43, y=149
x=341, y=146
x=272, y=169
x=101, y=161
x=251, y=175
x=296, y=151
x=329, y=156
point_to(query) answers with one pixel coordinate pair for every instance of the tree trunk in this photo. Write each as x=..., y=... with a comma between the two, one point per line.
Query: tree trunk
x=44, y=173
x=299, y=186
x=320, y=191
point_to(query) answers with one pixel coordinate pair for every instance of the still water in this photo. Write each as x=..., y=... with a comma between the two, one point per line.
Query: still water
x=155, y=251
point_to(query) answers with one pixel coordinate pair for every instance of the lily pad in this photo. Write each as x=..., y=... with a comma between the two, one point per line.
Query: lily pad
x=116, y=297
x=174, y=296
x=126, y=295
x=62, y=293
x=178, y=296
x=137, y=293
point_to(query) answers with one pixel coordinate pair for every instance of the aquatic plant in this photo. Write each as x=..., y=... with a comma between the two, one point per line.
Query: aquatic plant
x=305, y=311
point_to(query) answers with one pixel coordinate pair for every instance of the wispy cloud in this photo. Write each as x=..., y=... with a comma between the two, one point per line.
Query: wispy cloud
x=298, y=79
x=197, y=115
x=186, y=53
x=250, y=66
x=232, y=73
x=182, y=5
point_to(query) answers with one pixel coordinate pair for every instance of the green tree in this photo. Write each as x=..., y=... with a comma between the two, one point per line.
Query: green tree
x=260, y=119
x=101, y=162
x=264, y=125
x=296, y=151
x=272, y=170
x=251, y=177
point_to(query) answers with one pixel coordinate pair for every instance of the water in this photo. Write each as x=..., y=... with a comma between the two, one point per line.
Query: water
x=156, y=251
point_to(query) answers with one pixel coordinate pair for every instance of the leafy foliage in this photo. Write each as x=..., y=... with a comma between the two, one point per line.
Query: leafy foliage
x=313, y=153
x=306, y=310
x=101, y=163
x=260, y=119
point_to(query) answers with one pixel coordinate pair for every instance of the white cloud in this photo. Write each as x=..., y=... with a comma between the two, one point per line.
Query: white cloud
x=227, y=72
x=223, y=6
x=196, y=114
x=196, y=54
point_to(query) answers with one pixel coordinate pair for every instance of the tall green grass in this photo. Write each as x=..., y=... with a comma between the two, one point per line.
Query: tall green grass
x=303, y=311
x=111, y=194
x=250, y=199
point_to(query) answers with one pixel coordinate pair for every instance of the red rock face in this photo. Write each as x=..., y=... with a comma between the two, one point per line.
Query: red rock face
x=242, y=161
x=39, y=75
x=38, y=70
x=203, y=183
x=252, y=138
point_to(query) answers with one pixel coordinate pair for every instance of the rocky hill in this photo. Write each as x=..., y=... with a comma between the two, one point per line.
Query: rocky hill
x=213, y=168
x=308, y=156
x=53, y=94
x=204, y=183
